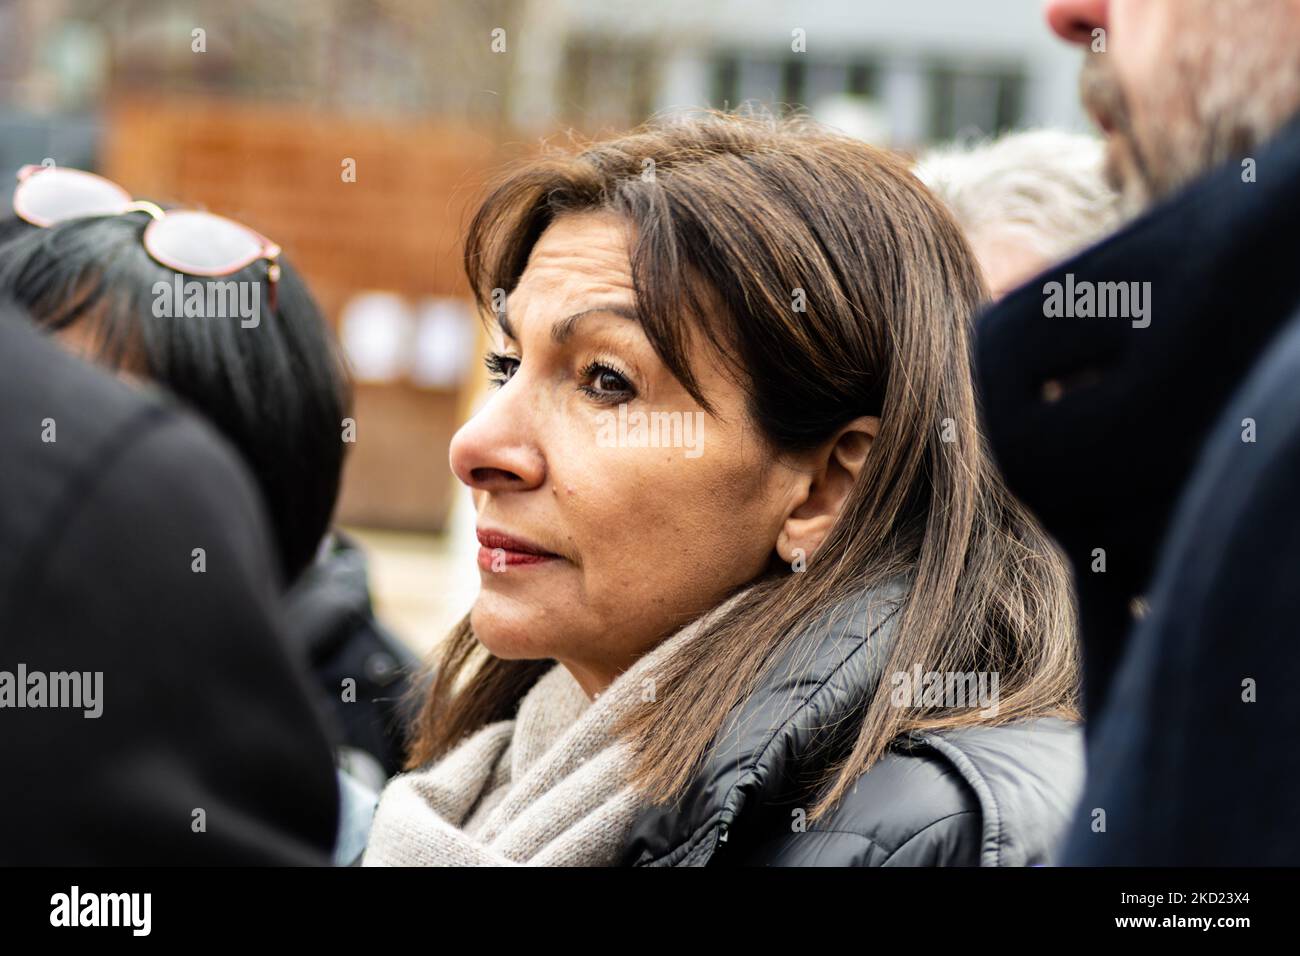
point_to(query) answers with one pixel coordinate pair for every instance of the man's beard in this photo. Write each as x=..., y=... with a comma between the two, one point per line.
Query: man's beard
x=1228, y=80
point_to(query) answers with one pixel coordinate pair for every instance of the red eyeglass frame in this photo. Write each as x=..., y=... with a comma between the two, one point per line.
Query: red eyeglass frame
x=268, y=250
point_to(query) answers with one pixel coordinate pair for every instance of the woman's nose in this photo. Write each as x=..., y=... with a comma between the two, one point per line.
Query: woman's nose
x=494, y=450
x=1074, y=20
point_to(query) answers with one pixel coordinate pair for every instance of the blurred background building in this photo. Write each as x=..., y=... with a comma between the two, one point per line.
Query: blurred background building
x=358, y=134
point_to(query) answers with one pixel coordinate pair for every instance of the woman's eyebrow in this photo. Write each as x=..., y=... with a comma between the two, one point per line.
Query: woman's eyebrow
x=563, y=330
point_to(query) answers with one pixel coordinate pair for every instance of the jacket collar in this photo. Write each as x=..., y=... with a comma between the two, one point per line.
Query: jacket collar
x=768, y=749
x=1097, y=421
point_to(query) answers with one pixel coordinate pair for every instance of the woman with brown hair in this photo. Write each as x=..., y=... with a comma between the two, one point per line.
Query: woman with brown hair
x=752, y=591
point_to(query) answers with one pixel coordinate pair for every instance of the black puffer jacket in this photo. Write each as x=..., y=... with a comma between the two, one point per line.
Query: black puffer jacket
x=987, y=796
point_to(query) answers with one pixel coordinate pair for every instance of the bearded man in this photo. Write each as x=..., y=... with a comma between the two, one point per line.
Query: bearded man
x=1165, y=456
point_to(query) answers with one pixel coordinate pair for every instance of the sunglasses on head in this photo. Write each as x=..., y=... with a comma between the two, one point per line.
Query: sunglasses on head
x=192, y=241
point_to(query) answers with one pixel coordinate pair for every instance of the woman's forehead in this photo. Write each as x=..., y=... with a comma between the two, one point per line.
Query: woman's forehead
x=579, y=263
x=583, y=245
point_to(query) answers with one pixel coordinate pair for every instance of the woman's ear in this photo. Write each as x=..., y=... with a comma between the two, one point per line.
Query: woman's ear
x=833, y=470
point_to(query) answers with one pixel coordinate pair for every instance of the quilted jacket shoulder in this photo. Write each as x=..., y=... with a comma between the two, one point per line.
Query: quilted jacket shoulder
x=977, y=796
x=982, y=796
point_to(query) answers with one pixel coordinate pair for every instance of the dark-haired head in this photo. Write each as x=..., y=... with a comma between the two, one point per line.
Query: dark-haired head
x=13, y=228
x=275, y=387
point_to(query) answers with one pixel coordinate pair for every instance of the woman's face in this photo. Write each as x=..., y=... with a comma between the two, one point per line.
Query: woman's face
x=595, y=543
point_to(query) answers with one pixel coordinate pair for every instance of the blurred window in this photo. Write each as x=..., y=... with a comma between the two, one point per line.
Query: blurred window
x=791, y=82
x=726, y=82
x=965, y=101
x=863, y=79
x=794, y=81
x=607, y=83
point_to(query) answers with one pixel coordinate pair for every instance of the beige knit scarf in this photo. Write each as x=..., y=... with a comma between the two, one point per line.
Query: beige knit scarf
x=549, y=788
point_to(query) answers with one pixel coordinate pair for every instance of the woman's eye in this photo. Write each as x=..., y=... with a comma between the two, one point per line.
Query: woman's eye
x=604, y=382
x=501, y=368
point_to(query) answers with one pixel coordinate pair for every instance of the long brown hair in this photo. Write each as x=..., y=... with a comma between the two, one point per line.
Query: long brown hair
x=737, y=222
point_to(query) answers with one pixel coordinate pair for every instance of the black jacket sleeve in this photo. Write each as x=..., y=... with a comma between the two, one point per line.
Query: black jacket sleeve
x=207, y=749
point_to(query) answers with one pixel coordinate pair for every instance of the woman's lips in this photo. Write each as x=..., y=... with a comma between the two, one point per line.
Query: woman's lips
x=498, y=550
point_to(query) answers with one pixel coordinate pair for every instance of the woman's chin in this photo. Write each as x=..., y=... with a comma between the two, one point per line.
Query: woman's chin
x=512, y=628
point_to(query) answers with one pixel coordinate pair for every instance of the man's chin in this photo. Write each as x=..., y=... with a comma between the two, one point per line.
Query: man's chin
x=1124, y=174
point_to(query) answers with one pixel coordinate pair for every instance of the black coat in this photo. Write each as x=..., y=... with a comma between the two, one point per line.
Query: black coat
x=1143, y=456
x=203, y=707
x=1103, y=466
x=332, y=623
x=988, y=795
